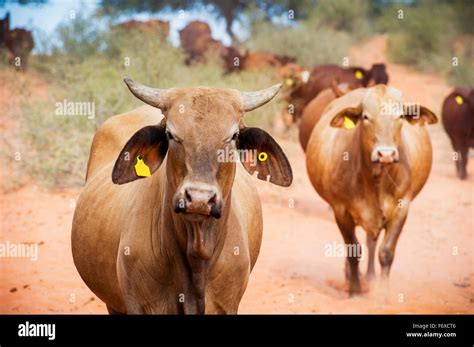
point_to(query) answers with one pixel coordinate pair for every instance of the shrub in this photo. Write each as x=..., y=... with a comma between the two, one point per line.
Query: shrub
x=425, y=37
x=351, y=17
x=309, y=44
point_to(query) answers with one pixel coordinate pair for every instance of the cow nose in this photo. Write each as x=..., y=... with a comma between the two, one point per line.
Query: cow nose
x=385, y=155
x=200, y=200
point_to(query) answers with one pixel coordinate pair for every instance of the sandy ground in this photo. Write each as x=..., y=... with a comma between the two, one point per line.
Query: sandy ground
x=432, y=272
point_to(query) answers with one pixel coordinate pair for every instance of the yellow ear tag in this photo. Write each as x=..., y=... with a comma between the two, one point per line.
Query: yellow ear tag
x=141, y=168
x=359, y=75
x=348, y=123
x=288, y=82
x=459, y=100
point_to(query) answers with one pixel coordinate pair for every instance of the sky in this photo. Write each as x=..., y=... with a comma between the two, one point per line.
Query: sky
x=46, y=17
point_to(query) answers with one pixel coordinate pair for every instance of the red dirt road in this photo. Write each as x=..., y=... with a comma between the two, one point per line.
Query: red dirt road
x=432, y=273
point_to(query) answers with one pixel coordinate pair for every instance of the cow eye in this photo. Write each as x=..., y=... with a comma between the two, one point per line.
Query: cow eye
x=365, y=116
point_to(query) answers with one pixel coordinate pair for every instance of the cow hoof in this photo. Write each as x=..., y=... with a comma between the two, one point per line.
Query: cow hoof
x=355, y=292
x=370, y=277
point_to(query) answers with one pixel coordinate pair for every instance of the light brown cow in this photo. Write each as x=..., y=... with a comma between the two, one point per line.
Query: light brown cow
x=185, y=239
x=371, y=172
x=313, y=112
x=265, y=60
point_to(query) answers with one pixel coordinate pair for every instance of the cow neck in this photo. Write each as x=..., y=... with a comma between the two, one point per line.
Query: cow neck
x=199, y=243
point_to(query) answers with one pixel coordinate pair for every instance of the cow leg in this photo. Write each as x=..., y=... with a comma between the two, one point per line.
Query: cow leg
x=462, y=168
x=371, y=245
x=389, y=243
x=347, y=226
x=461, y=163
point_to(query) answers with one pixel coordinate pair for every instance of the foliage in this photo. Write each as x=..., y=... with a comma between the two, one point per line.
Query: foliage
x=230, y=10
x=351, y=17
x=308, y=44
x=424, y=36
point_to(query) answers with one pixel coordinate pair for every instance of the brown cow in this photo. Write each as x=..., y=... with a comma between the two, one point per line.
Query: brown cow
x=197, y=42
x=323, y=75
x=295, y=79
x=371, y=171
x=185, y=239
x=20, y=44
x=313, y=112
x=145, y=26
x=195, y=39
x=230, y=57
x=265, y=60
x=458, y=121
x=321, y=78
x=4, y=29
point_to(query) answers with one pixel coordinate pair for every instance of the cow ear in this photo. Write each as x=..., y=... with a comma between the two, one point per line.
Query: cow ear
x=142, y=155
x=347, y=118
x=421, y=115
x=267, y=157
x=345, y=111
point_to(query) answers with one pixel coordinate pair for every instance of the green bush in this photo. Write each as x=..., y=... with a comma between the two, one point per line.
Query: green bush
x=424, y=37
x=351, y=17
x=309, y=44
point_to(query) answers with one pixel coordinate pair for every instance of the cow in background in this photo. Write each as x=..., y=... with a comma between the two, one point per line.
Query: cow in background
x=265, y=60
x=19, y=43
x=4, y=29
x=458, y=121
x=195, y=39
x=369, y=156
x=300, y=91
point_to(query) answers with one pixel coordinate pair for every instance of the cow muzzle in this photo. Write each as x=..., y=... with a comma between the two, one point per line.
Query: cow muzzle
x=199, y=199
x=385, y=155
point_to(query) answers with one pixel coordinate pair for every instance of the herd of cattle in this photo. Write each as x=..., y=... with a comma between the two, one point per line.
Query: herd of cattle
x=164, y=225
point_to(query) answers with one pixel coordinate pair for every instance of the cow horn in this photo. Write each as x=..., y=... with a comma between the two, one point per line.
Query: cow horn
x=152, y=96
x=252, y=100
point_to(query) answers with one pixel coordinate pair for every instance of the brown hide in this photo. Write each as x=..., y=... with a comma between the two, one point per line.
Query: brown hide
x=132, y=245
x=362, y=189
x=265, y=60
x=458, y=121
x=313, y=112
x=20, y=44
x=321, y=77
